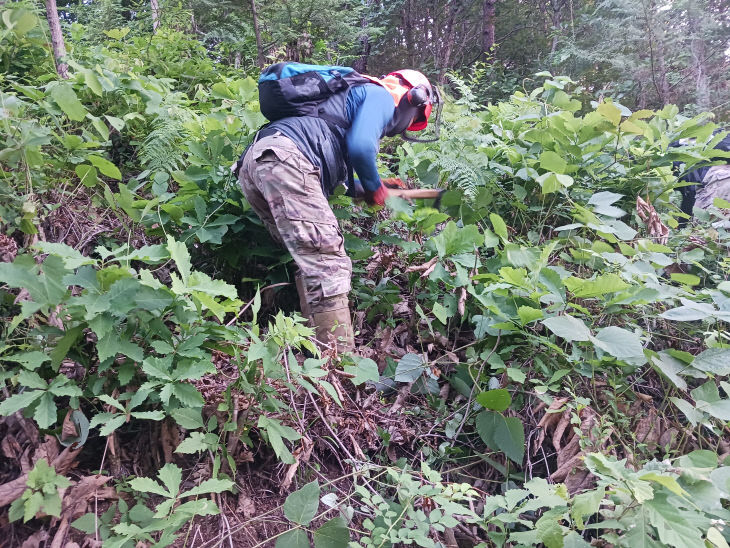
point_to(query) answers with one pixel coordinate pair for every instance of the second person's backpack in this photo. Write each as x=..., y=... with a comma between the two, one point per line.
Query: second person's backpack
x=297, y=89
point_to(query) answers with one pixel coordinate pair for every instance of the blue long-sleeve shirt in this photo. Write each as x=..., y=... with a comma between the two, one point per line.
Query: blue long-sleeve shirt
x=370, y=108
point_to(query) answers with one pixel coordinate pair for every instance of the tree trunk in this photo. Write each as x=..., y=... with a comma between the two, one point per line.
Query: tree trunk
x=257, y=31
x=59, y=47
x=489, y=16
x=155, y=15
x=657, y=58
x=361, y=63
x=556, y=6
x=697, y=49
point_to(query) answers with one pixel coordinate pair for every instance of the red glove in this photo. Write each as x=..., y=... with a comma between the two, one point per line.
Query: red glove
x=394, y=182
x=378, y=197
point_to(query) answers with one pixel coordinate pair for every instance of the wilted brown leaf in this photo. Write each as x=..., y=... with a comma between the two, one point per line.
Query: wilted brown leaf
x=657, y=229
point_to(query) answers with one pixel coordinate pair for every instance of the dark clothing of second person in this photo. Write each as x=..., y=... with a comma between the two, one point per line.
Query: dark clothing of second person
x=369, y=110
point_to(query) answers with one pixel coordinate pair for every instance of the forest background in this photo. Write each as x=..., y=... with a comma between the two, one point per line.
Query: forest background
x=543, y=361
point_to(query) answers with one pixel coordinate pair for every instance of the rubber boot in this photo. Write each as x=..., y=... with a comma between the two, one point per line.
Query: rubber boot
x=335, y=326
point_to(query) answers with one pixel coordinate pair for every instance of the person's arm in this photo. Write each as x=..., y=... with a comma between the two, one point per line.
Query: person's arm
x=373, y=110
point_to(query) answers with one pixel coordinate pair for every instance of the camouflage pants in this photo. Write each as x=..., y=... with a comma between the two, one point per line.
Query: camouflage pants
x=716, y=184
x=283, y=189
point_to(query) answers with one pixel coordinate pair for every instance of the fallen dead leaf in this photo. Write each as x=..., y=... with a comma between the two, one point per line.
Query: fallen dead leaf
x=35, y=540
x=68, y=430
x=246, y=506
x=657, y=229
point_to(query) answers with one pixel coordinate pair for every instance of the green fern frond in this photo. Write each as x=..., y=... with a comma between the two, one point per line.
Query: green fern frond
x=461, y=174
x=161, y=150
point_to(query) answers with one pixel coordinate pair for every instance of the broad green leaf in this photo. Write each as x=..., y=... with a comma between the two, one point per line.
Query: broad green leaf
x=552, y=182
x=148, y=485
x=716, y=538
x=684, y=314
x=453, y=240
x=551, y=161
x=179, y=253
x=528, y=314
x=100, y=127
x=601, y=285
x=19, y=401
x=171, y=476
x=105, y=166
x=610, y=112
x=515, y=276
x=568, y=327
x=671, y=368
x=715, y=361
x=365, y=370
x=549, y=531
x=574, y=540
x=30, y=360
x=187, y=394
x=86, y=523
x=107, y=399
x=81, y=424
x=700, y=458
x=409, y=368
x=195, y=443
x=117, y=34
x=65, y=97
x=490, y=239
x=116, y=123
x=500, y=433
x=641, y=535
x=87, y=175
x=296, y=538
x=92, y=81
x=693, y=416
x=516, y=375
x=332, y=534
x=276, y=432
x=45, y=412
x=301, y=506
x=667, y=481
x=619, y=342
x=672, y=525
x=111, y=425
x=707, y=398
x=149, y=415
x=188, y=417
x=586, y=504
x=157, y=368
x=686, y=279
x=212, y=485
x=496, y=400
x=203, y=283
x=71, y=257
x=500, y=227
x=112, y=344
x=441, y=313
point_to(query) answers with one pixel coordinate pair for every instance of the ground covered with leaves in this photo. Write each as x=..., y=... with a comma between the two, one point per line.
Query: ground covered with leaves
x=542, y=362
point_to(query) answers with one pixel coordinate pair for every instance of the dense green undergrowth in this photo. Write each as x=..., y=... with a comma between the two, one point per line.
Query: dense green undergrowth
x=537, y=289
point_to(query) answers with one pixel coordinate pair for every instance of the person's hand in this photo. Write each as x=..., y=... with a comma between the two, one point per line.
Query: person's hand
x=378, y=197
x=394, y=182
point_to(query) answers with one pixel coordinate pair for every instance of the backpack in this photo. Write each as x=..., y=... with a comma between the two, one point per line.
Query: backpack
x=297, y=89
